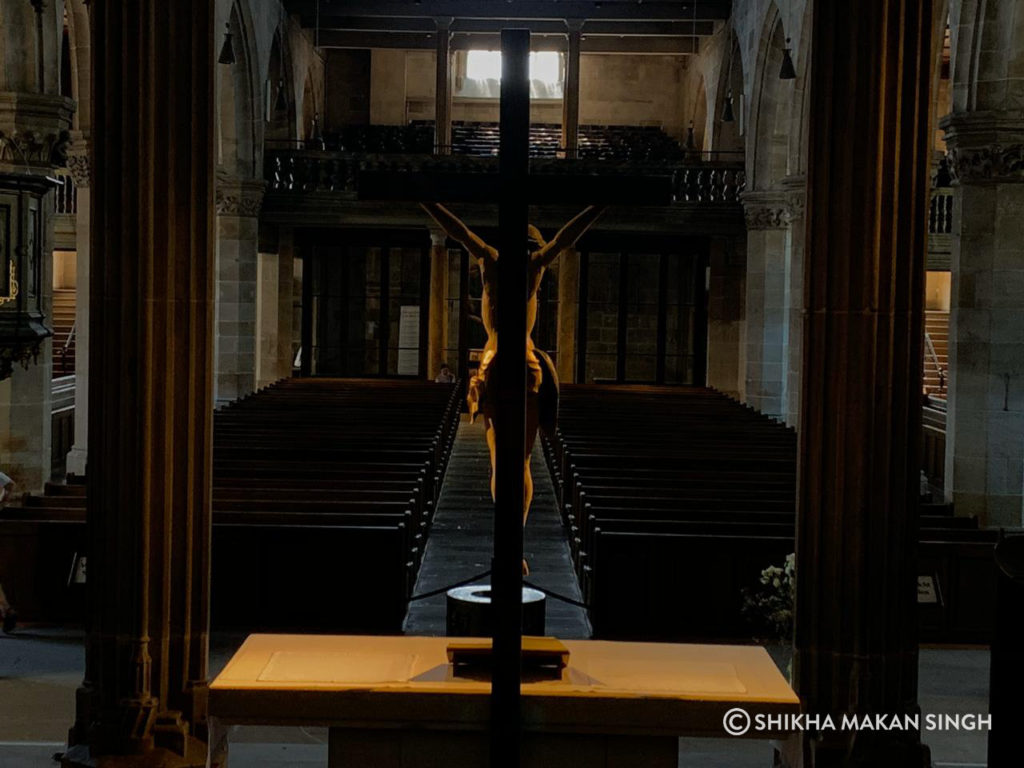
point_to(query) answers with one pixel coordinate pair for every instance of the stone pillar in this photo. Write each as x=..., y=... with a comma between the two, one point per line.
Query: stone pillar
x=859, y=440
x=794, y=187
x=438, y=303
x=985, y=422
x=238, y=204
x=34, y=122
x=289, y=298
x=767, y=215
x=267, y=318
x=568, y=313
x=78, y=165
x=143, y=700
x=571, y=94
x=443, y=87
x=726, y=315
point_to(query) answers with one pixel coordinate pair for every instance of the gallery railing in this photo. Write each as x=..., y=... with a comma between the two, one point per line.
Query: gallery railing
x=298, y=171
x=940, y=211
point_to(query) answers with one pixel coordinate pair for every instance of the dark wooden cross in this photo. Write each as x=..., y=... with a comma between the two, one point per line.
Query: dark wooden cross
x=513, y=189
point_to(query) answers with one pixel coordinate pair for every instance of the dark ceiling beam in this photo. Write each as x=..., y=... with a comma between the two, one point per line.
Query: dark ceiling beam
x=486, y=41
x=536, y=26
x=648, y=10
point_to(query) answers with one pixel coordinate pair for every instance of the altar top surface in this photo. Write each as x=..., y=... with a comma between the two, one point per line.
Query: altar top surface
x=627, y=687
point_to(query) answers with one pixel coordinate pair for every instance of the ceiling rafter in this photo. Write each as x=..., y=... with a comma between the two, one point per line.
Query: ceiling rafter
x=519, y=10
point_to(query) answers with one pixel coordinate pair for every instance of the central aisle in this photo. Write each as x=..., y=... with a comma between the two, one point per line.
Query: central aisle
x=460, y=540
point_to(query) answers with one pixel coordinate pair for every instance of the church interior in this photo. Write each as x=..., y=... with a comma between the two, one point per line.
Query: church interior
x=259, y=454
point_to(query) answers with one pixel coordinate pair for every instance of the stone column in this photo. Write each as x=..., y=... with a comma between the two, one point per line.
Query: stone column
x=568, y=313
x=267, y=318
x=726, y=315
x=289, y=298
x=571, y=94
x=143, y=700
x=859, y=440
x=438, y=303
x=767, y=215
x=78, y=165
x=238, y=204
x=794, y=187
x=985, y=422
x=443, y=87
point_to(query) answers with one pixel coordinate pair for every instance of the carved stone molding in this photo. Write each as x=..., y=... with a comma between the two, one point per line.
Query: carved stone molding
x=994, y=163
x=985, y=147
x=766, y=210
x=78, y=164
x=34, y=130
x=239, y=197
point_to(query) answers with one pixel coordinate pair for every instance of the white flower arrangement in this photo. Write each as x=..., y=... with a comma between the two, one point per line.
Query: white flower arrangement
x=769, y=606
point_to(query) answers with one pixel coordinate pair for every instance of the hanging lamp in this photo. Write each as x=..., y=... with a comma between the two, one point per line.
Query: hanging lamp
x=727, y=114
x=788, y=71
x=227, y=51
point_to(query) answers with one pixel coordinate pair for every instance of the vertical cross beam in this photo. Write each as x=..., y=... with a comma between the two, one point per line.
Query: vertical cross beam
x=443, y=88
x=510, y=394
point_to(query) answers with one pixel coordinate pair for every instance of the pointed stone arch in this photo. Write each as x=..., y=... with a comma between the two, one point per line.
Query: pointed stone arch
x=239, y=145
x=771, y=108
x=730, y=136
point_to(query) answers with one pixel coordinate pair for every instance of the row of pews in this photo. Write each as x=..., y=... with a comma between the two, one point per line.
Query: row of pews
x=323, y=495
x=675, y=499
x=611, y=143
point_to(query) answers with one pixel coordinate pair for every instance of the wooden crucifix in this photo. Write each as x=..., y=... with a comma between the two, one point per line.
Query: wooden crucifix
x=515, y=190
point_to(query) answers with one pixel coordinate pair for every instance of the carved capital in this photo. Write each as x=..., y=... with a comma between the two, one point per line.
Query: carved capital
x=78, y=159
x=34, y=130
x=766, y=209
x=994, y=163
x=985, y=147
x=239, y=197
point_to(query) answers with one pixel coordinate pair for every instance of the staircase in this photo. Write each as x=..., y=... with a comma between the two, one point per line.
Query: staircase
x=63, y=327
x=936, y=375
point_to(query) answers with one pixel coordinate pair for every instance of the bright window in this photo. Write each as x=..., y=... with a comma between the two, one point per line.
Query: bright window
x=483, y=75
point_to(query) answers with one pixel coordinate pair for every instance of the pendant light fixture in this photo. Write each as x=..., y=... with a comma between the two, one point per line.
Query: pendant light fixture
x=788, y=71
x=727, y=113
x=281, y=104
x=227, y=51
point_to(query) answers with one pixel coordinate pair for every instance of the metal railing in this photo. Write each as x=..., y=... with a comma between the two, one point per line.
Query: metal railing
x=304, y=171
x=933, y=355
x=65, y=196
x=940, y=211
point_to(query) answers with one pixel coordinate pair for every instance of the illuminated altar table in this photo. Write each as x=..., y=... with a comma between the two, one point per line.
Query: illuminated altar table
x=396, y=702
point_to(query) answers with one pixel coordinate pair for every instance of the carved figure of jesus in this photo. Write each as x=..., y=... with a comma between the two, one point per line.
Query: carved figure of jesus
x=542, y=383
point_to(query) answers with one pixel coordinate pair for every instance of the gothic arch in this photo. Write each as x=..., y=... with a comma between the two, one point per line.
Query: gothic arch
x=239, y=145
x=281, y=124
x=81, y=63
x=772, y=108
x=729, y=136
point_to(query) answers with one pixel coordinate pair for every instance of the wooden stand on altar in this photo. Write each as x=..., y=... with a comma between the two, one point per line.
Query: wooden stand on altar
x=397, y=702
